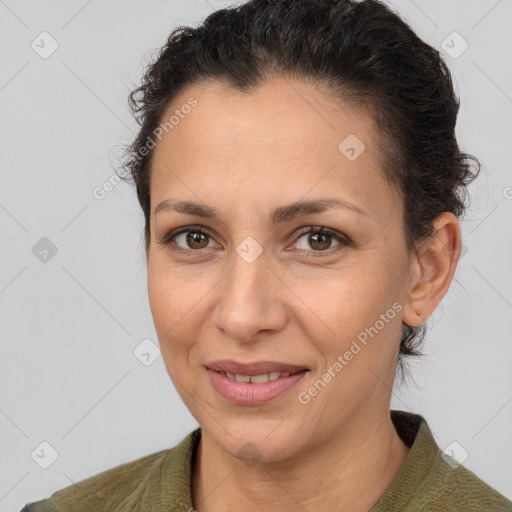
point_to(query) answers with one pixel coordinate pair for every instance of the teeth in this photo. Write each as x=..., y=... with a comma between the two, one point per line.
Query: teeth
x=257, y=379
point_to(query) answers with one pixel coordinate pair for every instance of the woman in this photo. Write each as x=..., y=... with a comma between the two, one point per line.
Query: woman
x=301, y=184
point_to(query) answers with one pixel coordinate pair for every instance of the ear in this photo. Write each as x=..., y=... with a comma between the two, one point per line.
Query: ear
x=432, y=269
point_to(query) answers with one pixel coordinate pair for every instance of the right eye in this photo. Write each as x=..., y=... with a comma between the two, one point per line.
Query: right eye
x=193, y=240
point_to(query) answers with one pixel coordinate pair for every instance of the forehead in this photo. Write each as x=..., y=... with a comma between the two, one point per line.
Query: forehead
x=285, y=137
x=280, y=111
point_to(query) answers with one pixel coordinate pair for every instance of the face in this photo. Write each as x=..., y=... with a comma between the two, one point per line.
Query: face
x=259, y=282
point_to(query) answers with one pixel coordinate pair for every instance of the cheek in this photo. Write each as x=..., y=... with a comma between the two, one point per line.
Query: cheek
x=171, y=295
x=346, y=300
x=177, y=305
x=356, y=336
x=351, y=309
x=170, y=319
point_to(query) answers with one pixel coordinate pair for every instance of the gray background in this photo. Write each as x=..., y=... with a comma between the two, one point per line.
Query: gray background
x=70, y=325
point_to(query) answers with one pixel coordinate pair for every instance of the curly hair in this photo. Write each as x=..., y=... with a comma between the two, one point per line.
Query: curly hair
x=364, y=54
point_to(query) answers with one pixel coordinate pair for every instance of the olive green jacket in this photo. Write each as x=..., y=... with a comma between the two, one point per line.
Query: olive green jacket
x=428, y=481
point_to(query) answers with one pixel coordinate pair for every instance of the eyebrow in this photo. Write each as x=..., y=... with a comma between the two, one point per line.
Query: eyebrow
x=279, y=215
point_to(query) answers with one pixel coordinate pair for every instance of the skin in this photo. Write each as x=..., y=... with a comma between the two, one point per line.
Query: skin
x=244, y=155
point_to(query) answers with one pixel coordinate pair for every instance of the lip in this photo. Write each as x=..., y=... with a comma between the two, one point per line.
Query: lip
x=255, y=368
x=249, y=393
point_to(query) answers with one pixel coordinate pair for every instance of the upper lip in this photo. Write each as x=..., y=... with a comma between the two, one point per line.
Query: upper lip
x=256, y=368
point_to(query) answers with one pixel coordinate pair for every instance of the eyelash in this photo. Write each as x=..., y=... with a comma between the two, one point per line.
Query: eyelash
x=167, y=239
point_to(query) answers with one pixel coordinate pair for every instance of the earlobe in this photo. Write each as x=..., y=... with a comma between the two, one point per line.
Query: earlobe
x=434, y=267
x=412, y=317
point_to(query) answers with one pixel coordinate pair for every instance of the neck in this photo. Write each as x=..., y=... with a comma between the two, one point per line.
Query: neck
x=350, y=472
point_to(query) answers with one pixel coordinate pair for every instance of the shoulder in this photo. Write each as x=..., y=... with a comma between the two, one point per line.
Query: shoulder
x=118, y=488
x=431, y=480
x=450, y=486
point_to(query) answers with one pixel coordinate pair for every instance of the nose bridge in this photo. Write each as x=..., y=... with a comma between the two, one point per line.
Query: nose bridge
x=248, y=269
x=248, y=302
x=245, y=284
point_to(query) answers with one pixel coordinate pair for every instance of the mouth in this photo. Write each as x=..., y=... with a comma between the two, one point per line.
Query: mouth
x=254, y=383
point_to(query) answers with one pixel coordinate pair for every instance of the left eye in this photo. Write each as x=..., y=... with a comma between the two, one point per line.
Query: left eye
x=320, y=239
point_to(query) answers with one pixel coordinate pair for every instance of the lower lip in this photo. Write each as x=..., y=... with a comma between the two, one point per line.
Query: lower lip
x=248, y=393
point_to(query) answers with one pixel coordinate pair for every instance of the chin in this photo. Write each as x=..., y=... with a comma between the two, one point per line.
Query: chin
x=255, y=441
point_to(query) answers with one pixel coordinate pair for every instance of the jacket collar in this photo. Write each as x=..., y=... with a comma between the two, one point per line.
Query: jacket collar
x=170, y=488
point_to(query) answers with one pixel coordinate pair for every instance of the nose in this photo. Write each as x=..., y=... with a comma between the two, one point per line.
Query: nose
x=251, y=300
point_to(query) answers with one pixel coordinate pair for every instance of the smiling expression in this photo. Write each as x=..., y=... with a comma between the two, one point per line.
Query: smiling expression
x=259, y=175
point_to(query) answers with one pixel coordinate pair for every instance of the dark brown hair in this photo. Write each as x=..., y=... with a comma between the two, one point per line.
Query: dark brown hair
x=363, y=53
